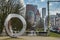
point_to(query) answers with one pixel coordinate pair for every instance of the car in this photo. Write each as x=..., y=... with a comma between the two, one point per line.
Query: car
x=58, y=29
x=55, y=29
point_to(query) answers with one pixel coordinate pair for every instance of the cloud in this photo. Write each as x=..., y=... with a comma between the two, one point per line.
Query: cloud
x=31, y=1
x=27, y=3
x=54, y=12
x=42, y=0
x=50, y=4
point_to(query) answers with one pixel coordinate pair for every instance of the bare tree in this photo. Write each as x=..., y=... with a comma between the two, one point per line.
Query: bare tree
x=10, y=6
x=2, y=13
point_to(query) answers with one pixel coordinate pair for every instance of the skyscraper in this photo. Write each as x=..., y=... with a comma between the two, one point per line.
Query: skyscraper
x=43, y=16
x=43, y=12
x=30, y=13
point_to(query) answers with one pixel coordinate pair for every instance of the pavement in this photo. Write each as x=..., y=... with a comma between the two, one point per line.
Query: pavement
x=29, y=38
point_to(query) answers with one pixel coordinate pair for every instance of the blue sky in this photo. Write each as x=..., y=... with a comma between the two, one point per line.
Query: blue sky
x=39, y=3
x=43, y=3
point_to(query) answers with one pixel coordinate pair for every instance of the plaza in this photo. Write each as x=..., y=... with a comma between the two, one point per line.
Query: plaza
x=30, y=38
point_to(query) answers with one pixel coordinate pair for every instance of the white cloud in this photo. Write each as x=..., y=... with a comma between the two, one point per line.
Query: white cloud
x=30, y=1
x=50, y=4
x=56, y=2
x=42, y=0
x=54, y=12
x=27, y=3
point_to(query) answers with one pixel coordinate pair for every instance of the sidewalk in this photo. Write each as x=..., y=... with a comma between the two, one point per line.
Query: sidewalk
x=30, y=38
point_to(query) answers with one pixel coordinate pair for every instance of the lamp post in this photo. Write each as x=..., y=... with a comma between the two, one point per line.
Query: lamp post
x=48, y=18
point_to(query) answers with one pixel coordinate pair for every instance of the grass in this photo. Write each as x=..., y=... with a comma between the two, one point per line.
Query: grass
x=52, y=34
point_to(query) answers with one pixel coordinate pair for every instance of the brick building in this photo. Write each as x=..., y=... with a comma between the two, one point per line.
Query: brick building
x=32, y=13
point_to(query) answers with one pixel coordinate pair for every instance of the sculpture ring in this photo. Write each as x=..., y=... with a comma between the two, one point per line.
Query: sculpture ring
x=20, y=18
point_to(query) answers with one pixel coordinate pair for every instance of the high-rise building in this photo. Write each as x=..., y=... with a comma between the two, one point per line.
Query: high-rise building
x=37, y=16
x=52, y=20
x=57, y=20
x=30, y=13
x=58, y=14
x=43, y=12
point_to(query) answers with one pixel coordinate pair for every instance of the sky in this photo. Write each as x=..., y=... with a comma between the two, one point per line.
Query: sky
x=54, y=7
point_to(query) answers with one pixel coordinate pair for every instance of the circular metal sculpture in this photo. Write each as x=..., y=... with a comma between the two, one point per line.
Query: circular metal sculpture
x=9, y=30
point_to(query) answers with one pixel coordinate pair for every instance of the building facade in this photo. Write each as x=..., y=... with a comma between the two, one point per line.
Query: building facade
x=32, y=15
x=58, y=19
x=43, y=12
x=52, y=20
x=55, y=20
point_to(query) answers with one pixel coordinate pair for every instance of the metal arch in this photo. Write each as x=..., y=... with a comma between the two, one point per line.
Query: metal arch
x=6, y=25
